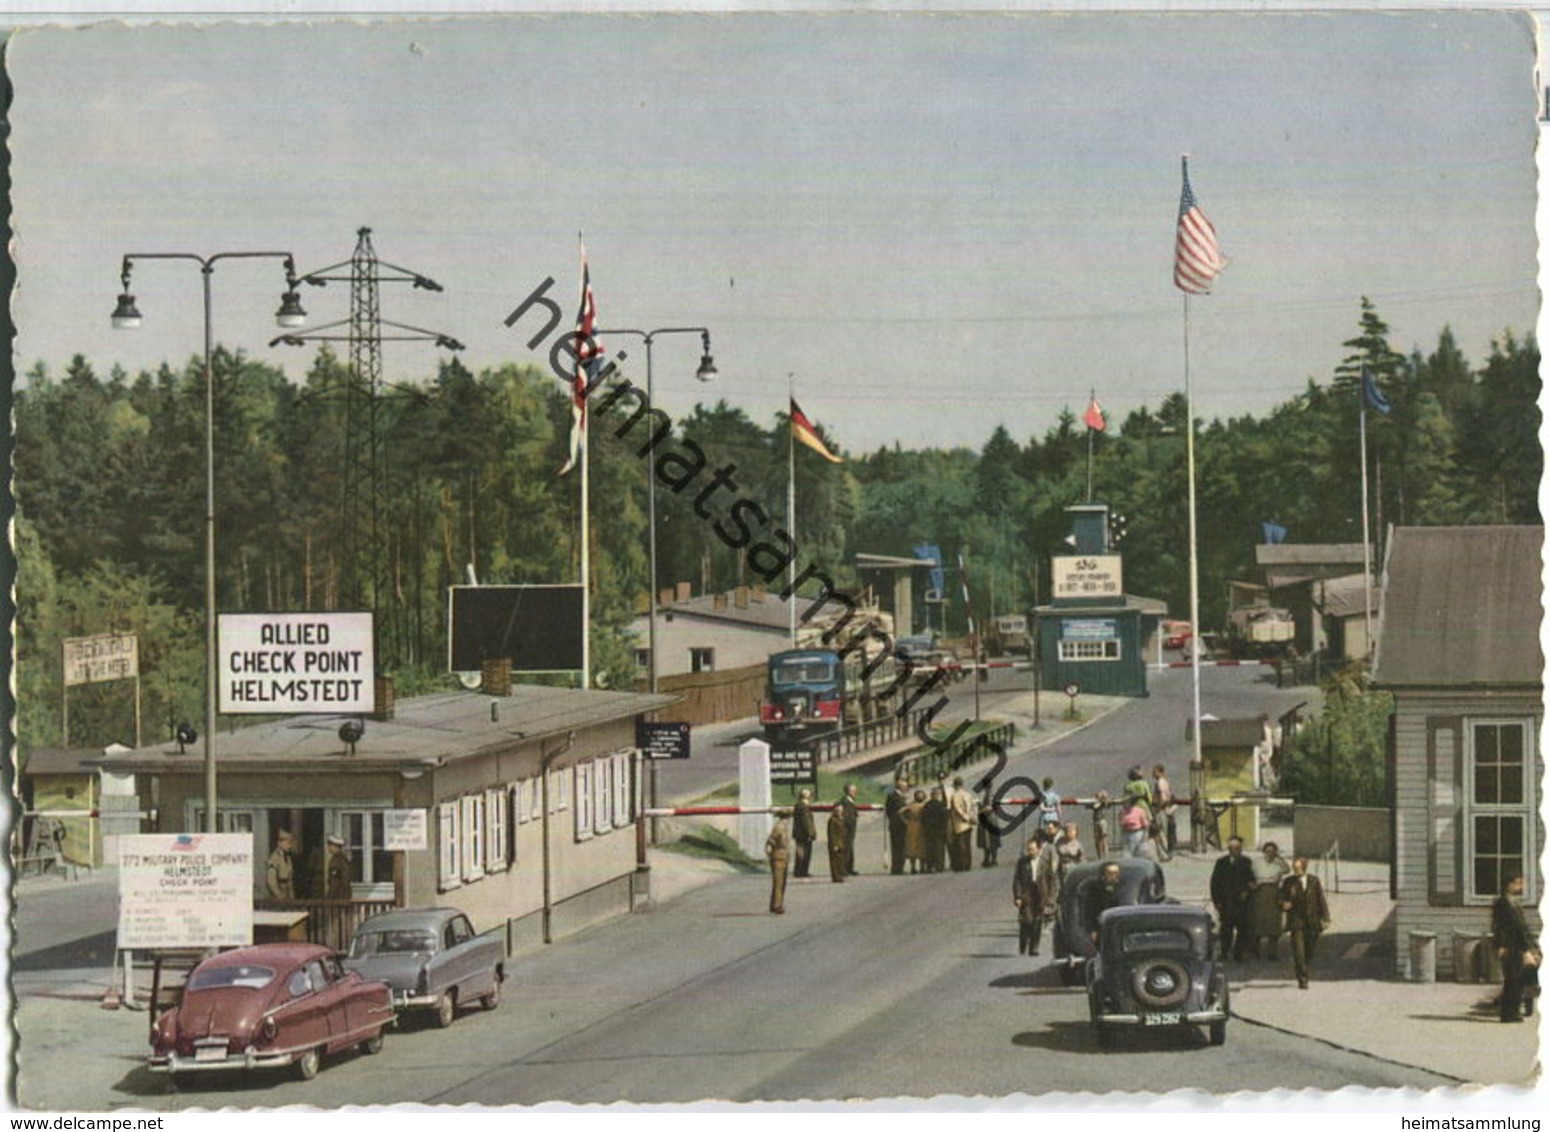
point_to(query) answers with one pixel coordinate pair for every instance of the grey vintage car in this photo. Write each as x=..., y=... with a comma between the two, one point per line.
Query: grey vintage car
x=431, y=958
x=1156, y=966
x=1141, y=881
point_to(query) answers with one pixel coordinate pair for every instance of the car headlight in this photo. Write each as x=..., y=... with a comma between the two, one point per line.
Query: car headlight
x=270, y=1028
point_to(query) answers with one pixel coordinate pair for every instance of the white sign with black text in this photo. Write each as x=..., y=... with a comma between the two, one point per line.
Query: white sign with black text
x=189, y=890
x=296, y=663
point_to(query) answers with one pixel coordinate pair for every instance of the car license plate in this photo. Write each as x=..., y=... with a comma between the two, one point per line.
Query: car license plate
x=210, y=1053
x=1161, y=1019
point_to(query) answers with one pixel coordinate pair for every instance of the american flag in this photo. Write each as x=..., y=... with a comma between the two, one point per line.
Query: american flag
x=1093, y=418
x=1197, y=258
x=588, y=350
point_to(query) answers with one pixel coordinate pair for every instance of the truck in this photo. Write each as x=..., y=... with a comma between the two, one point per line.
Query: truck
x=812, y=692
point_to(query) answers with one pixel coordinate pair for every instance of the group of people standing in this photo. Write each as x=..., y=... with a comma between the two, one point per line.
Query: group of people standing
x=935, y=831
x=329, y=879
x=1038, y=877
x=795, y=832
x=1258, y=899
x=1147, y=816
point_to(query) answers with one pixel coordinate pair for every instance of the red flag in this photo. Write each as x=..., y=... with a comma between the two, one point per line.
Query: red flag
x=1197, y=257
x=807, y=433
x=1093, y=418
x=588, y=351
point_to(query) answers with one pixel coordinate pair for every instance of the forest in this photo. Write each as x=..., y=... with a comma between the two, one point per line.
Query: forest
x=109, y=492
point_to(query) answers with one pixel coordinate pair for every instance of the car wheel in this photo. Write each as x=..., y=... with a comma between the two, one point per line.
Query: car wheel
x=491, y=999
x=1218, y=1033
x=372, y=1044
x=446, y=1009
x=308, y=1064
x=1160, y=983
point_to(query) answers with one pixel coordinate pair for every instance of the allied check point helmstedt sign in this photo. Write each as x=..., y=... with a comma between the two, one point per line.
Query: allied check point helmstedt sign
x=296, y=663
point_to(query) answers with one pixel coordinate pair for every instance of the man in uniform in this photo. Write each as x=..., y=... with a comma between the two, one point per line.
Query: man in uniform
x=804, y=832
x=1307, y=915
x=1231, y=881
x=338, y=884
x=838, y=845
x=777, y=848
x=280, y=875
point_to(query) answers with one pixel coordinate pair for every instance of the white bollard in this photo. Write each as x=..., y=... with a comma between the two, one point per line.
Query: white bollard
x=753, y=766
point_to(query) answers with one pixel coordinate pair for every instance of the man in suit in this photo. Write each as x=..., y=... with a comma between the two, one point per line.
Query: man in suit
x=838, y=844
x=1231, y=881
x=963, y=816
x=1307, y=915
x=777, y=848
x=1515, y=946
x=1029, y=900
x=804, y=832
x=893, y=809
x=847, y=805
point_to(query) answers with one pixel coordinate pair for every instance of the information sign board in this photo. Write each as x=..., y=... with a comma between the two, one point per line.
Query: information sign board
x=185, y=890
x=662, y=740
x=1088, y=576
x=404, y=829
x=797, y=766
x=296, y=663
x=108, y=656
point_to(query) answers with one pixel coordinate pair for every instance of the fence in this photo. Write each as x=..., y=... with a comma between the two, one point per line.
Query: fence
x=713, y=697
x=329, y=922
x=942, y=762
x=863, y=736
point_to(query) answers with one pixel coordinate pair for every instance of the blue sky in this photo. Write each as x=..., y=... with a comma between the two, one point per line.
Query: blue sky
x=938, y=223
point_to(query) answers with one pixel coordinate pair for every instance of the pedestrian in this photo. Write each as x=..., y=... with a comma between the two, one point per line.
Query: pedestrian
x=934, y=819
x=337, y=886
x=1515, y=946
x=893, y=810
x=1232, y=879
x=1068, y=851
x=1264, y=913
x=914, y=814
x=1048, y=868
x=962, y=817
x=804, y=831
x=1136, y=787
x=847, y=807
x=1028, y=899
x=777, y=848
x=1049, y=803
x=1135, y=821
x=1164, y=819
x=1100, y=808
x=1097, y=898
x=837, y=843
x=280, y=873
x=989, y=834
x=1307, y=915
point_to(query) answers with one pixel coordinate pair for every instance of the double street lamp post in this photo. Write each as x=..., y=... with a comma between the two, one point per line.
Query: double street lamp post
x=127, y=317
x=706, y=373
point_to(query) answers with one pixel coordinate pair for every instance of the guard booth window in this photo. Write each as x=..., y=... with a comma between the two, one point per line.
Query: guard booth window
x=1089, y=650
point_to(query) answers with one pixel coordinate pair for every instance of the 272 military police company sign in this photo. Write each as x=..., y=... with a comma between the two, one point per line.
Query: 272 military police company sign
x=291, y=663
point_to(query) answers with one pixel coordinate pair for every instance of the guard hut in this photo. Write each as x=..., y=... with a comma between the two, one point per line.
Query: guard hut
x=1092, y=634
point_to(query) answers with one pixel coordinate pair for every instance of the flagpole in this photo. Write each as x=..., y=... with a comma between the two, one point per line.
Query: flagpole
x=1091, y=400
x=791, y=502
x=1366, y=527
x=1197, y=774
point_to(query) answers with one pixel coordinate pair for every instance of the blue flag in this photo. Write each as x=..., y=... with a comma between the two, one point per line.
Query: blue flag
x=1372, y=396
x=1273, y=532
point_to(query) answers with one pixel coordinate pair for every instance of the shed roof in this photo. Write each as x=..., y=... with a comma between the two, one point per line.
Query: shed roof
x=59, y=760
x=1461, y=607
x=1347, y=596
x=763, y=610
x=430, y=729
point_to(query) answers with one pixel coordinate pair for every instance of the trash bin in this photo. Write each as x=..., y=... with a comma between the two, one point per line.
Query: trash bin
x=1423, y=957
x=1490, y=964
x=1466, y=957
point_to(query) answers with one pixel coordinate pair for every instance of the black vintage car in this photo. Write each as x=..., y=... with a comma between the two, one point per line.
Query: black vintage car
x=1156, y=967
x=1141, y=881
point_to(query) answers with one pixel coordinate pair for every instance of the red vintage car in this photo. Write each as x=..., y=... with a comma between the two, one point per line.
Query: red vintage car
x=267, y=1006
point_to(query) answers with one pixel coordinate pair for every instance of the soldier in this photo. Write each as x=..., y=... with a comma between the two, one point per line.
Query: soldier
x=338, y=884
x=777, y=848
x=280, y=875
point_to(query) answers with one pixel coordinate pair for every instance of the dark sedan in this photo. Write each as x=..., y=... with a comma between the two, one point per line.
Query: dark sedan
x=1141, y=881
x=269, y=1006
x=1156, y=967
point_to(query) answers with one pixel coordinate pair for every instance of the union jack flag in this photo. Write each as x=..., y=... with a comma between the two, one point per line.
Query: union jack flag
x=587, y=352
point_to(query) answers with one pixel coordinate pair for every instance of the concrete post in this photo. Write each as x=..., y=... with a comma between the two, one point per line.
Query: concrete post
x=753, y=762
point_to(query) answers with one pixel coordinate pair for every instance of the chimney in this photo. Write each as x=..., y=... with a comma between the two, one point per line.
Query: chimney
x=719, y=601
x=740, y=597
x=756, y=593
x=685, y=591
x=664, y=597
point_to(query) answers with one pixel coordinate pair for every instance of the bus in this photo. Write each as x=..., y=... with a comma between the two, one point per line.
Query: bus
x=810, y=692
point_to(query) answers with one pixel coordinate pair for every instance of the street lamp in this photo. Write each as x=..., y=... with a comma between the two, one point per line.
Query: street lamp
x=126, y=316
x=706, y=373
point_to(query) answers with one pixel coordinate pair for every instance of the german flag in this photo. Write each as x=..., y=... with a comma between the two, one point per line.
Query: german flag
x=806, y=432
